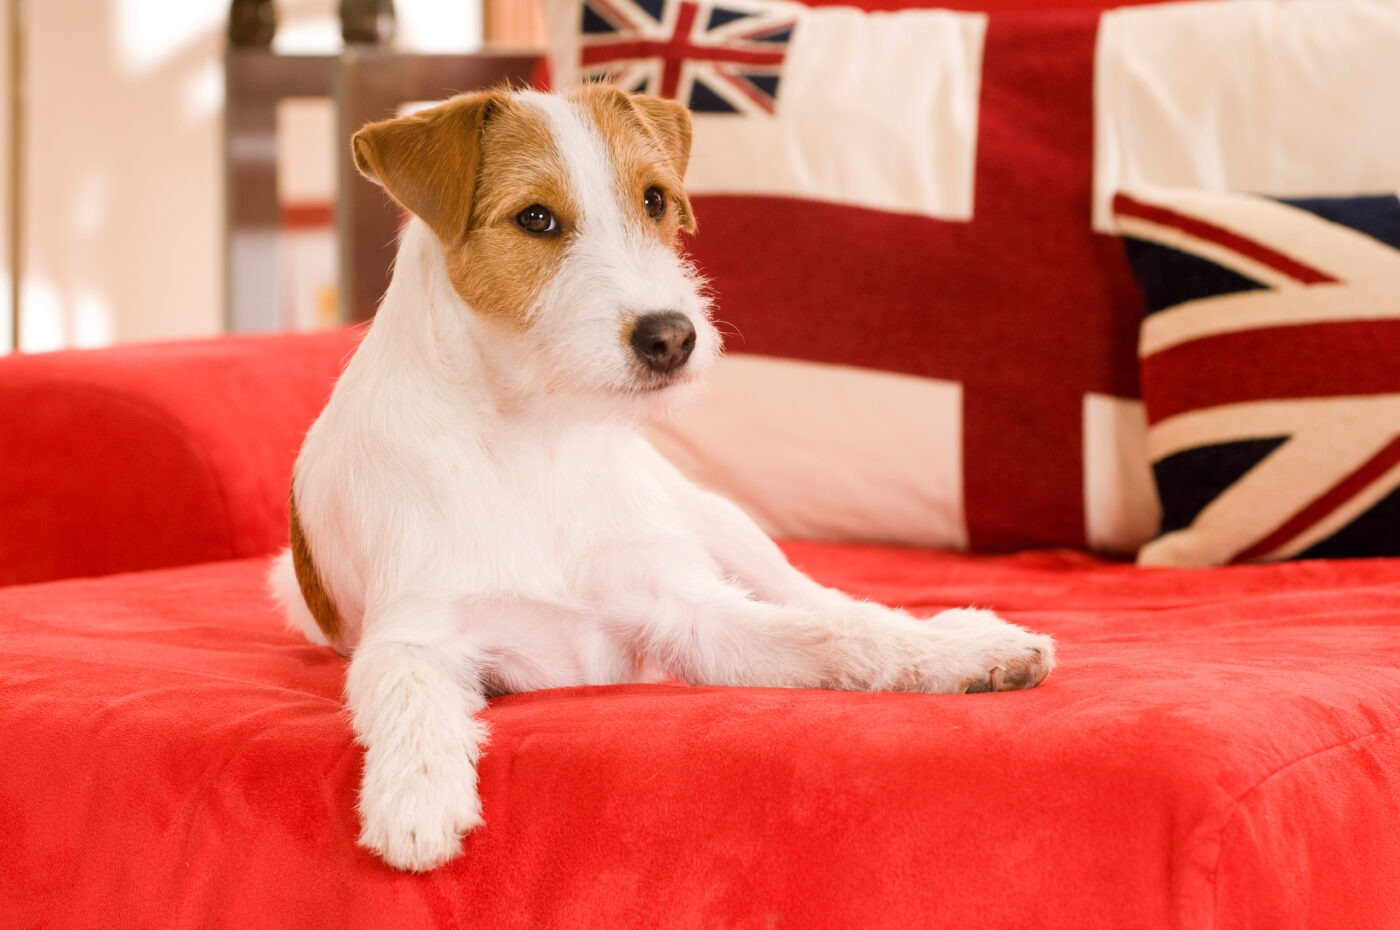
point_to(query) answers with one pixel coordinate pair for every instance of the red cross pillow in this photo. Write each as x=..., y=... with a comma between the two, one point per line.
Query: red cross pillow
x=1271, y=372
x=903, y=213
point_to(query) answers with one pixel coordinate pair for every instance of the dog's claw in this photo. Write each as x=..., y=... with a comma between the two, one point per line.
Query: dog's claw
x=1007, y=658
x=1016, y=675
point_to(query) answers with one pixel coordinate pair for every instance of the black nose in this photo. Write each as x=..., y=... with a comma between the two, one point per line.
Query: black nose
x=663, y=341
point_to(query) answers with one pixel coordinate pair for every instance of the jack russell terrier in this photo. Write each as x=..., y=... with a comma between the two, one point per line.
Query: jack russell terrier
x=476, y=512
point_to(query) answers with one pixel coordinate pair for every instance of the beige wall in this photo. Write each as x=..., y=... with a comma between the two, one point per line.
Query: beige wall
x=123, y=197
x=6, y=316
x=123, y=212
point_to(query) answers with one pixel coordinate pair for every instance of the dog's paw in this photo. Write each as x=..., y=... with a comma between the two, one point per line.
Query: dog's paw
x=989, y=654
x=414, y=816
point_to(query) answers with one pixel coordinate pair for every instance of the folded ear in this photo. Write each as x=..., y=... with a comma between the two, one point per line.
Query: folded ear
x=429, y=161
x=669, y=121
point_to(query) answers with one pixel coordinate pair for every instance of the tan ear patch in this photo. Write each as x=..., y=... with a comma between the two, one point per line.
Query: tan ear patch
x=429, y=161
x=671, y=123
x=322, y=608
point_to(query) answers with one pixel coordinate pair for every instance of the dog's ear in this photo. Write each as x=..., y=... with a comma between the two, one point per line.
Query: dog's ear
x=669, y=121
x=429, y=161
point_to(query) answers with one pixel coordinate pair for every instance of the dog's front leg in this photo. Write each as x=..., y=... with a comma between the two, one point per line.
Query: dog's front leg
x=414, y=707
x=709, y=631
x=998, y=655
x=739, y=545
x=749, y=556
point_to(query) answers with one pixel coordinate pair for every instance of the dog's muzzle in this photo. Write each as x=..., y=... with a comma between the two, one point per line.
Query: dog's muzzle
x=663, y=341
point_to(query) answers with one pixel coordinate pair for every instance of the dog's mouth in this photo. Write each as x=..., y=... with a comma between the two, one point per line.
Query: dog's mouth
x=651, y=383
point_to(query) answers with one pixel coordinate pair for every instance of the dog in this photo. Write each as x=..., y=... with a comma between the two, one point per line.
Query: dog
x=476, y=511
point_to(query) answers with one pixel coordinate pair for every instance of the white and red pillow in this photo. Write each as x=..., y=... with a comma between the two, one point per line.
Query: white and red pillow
x=935, y=343
x=1271, y=372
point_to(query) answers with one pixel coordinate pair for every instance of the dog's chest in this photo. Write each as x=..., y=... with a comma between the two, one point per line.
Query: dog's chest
x=562, y=502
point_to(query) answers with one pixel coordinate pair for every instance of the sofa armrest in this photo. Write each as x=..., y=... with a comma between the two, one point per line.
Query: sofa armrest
x=146, y=456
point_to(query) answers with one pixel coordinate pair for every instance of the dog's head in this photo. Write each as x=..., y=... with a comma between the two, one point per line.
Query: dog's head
x=559, y=218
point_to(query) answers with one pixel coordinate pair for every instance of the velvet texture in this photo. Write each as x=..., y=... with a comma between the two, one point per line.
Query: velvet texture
x=148, y=456
x=1217, y=749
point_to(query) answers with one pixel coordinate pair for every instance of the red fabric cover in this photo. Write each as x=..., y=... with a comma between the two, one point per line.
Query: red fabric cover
x=1217, y=749
x=154, y=455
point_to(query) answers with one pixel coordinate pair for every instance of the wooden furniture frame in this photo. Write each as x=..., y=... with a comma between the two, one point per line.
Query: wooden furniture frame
x=366, y=84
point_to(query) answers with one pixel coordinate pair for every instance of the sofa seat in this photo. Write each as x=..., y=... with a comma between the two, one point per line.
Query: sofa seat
x=1217, y=749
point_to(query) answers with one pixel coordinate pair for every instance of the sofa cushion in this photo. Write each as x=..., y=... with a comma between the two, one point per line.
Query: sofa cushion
x=152, y=455
x=1269, y=371
x=908, y=203
x=1212, y=745
x=861, y=183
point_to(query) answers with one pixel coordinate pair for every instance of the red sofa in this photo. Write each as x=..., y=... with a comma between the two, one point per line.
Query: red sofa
x=1217, y=749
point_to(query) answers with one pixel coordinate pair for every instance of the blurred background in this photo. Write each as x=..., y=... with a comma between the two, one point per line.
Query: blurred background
x=111, y=161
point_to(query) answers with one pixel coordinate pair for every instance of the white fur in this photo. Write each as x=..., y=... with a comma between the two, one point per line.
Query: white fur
x=487, y=518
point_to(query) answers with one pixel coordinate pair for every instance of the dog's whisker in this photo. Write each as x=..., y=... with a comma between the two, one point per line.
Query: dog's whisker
x=728, y=329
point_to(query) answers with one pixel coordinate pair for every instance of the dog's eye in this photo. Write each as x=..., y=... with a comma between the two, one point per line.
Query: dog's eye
x=536, y=219
x=655, y=202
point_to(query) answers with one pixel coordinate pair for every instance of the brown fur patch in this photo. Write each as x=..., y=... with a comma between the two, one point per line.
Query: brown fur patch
x=499, y=269
x=468, y=167
x=429, y=161
x=309, y=581
x=649, y=139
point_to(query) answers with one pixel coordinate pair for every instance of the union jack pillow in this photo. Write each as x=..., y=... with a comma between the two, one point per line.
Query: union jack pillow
x=904, y=211
x=1270, y=360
